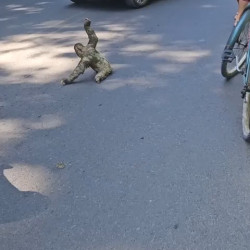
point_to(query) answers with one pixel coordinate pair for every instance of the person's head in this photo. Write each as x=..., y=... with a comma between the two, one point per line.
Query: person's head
x=79, y=49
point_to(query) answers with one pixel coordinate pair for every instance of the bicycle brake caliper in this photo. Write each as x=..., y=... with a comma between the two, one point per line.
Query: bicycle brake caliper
x=228, y=55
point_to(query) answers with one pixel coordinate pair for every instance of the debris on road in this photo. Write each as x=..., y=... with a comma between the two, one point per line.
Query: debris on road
x=60, y=165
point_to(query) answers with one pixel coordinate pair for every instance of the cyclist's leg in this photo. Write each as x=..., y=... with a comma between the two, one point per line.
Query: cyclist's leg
x=242, y=4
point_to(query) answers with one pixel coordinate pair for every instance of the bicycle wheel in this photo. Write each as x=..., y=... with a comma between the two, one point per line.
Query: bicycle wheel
x=236, y=48
x=246, y=117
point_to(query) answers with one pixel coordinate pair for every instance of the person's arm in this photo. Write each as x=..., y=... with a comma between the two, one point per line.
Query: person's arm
x=242, y=4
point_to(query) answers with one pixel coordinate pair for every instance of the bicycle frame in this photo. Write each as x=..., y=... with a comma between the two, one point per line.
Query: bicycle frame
x=239, y=27
x=232, y=39
x=246, y=75
x=236, y=59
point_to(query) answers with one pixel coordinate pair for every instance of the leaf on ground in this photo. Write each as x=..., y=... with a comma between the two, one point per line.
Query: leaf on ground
x=60, y=165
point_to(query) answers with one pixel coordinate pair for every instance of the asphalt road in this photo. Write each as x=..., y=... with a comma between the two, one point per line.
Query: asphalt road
x=152, y=158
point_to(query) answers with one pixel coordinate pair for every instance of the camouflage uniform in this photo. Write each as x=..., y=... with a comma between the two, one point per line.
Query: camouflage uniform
x=90, y=57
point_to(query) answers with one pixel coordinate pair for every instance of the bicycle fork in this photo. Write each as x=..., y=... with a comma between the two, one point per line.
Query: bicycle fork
x=245, y=75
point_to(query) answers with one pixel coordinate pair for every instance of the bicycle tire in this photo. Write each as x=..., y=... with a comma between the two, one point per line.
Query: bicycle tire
x=246, y=117
x=239, y=48
x=237, y=45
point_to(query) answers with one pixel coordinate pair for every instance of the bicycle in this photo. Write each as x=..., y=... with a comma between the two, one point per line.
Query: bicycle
x=236, y=59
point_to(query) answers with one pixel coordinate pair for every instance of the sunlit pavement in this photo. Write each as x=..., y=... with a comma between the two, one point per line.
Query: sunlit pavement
x=150, y=159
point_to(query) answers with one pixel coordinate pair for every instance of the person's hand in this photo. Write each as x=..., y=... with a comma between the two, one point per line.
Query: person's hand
x=236, y=18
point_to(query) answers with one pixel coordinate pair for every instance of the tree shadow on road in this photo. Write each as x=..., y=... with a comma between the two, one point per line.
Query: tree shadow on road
x=17, y=205
x=96, y=127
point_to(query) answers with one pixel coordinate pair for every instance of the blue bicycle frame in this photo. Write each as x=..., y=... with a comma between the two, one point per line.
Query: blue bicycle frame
x=237, y=54
x=233, y=38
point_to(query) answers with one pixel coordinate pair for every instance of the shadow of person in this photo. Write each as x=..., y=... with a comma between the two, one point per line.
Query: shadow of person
x=16, y=205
